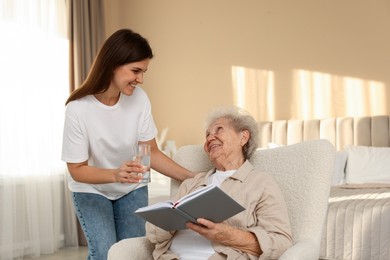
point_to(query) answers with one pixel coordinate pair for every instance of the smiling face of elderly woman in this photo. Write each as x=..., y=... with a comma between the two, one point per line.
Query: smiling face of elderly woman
x=224, y=144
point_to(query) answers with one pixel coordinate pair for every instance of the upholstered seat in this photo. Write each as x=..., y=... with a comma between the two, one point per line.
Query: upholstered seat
x=303, y=172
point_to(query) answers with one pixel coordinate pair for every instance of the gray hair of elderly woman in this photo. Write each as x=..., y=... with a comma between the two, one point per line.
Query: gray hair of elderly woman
x=240, y=120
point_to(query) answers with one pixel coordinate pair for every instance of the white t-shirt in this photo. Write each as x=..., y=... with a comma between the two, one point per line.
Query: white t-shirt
x=189, y=245
x=104, y=135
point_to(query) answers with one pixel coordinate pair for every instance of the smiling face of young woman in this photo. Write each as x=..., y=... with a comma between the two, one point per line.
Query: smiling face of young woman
x=128, y=76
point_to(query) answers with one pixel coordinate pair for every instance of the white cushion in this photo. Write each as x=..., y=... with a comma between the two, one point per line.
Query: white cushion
x=338, y=177
x=368, y=165
x=274, y=145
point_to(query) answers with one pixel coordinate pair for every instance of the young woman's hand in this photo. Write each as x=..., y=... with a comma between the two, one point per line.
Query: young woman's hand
x=130, y=172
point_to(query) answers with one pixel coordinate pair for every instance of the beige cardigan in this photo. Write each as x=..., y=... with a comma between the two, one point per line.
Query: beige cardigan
x=265, y=215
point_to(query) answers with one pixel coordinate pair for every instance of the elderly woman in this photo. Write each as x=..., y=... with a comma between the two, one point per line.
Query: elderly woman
x=261, y=231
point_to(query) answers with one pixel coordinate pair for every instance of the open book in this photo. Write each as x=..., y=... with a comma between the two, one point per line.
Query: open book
x=209, y=202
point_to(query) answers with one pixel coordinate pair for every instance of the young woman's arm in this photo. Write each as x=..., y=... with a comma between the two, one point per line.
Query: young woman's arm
x=165, y=165
x=82, y=172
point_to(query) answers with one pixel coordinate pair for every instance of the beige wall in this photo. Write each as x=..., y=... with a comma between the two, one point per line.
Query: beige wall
x=278, y=59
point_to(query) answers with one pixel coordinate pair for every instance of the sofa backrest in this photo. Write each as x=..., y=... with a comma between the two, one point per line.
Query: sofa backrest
x=340, y=131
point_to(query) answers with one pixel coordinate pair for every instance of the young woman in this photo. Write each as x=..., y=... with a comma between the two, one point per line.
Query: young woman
x=105, y=117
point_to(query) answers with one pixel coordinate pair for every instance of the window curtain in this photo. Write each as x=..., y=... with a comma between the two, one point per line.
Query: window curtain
x=36, y=216
x=87, y=34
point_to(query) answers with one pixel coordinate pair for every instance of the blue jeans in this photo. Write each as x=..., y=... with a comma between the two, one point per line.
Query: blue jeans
x=105, y=221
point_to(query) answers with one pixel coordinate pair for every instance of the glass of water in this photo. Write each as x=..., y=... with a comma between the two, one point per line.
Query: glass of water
x=141, y=155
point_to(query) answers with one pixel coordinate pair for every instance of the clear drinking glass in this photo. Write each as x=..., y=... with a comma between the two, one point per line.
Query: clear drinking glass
x=141, y=154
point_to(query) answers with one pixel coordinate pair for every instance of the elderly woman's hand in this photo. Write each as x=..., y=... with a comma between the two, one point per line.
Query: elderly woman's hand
x=218, y=232
x=227, y=235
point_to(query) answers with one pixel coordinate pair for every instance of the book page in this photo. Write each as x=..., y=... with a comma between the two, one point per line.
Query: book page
x=158, y=205
x=193, y=194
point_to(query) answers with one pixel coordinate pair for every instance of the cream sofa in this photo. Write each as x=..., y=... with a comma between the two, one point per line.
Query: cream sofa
x=303, y=172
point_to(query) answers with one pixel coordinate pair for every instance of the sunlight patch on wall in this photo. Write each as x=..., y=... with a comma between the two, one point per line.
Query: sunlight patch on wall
x=321, y=95
x=313, y=95
x=254, y=91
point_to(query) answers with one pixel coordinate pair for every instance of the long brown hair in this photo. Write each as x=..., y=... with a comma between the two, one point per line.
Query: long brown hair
x=122, y=47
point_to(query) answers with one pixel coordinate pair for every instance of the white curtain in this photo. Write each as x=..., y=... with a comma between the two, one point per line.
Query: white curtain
x=36, y=213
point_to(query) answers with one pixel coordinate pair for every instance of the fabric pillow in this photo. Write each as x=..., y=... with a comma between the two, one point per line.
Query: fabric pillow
x=274, y=145
x=368, y=165
x=338, y=177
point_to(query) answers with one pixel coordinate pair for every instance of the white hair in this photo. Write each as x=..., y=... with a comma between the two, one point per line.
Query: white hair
x=241, y=120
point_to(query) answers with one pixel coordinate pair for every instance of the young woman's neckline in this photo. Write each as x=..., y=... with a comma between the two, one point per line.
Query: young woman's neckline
x=110, y=101
x=107, y=105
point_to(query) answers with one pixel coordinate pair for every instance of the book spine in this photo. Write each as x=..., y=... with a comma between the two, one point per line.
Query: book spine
x=185, y=215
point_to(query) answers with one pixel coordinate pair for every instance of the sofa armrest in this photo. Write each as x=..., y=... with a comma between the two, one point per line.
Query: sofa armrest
x=302, y=250
x=135, y=248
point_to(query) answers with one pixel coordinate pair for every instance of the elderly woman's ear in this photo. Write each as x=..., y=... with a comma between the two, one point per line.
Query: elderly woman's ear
x=245, y=135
